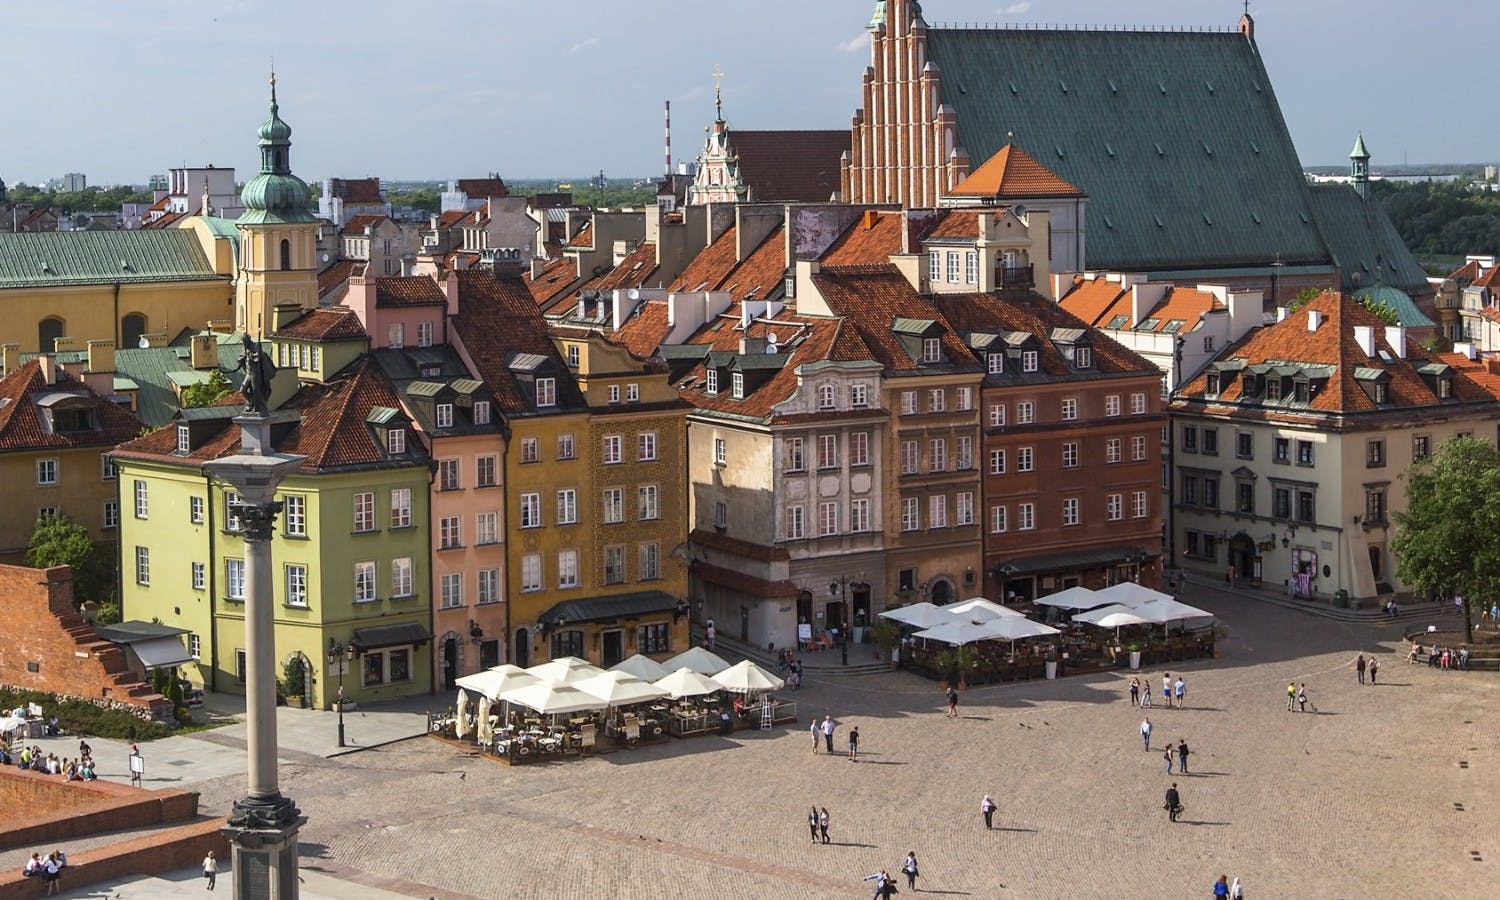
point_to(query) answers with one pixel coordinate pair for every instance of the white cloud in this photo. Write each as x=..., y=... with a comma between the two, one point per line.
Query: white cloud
x=858, y=42
x=1015, y=9
x=584, y=44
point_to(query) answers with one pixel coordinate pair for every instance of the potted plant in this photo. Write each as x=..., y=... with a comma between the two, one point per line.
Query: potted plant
x=1135, y=656
x=887, y=636
x=294, y=684
x=946, y=661
x=1051, y=664
x=965, y=660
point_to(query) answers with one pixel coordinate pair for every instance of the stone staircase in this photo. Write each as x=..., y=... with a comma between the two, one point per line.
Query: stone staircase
x=124, y=682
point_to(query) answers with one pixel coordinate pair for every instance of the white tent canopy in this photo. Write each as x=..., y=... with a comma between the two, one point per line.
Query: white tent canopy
x=643, y=667
x=1074, y=598
x=550, y=697
x=980, y=608
x=564, y=669
x=1112, y=616
x=492, y=684
x=11, y=723
x=618, y=688
x=1128, y=593
x=1169, y=610
x=959, y=631
x=920, y=615
x=686, y=683
x=461, y=726
x=507, y=669
x=746, y=677
x=1014, y=628
x=699, y=660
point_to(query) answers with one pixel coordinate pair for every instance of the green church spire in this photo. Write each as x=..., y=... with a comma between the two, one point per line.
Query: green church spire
x=276, y=195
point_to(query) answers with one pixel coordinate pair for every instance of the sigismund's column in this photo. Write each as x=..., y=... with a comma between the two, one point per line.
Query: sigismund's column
x=263, y=825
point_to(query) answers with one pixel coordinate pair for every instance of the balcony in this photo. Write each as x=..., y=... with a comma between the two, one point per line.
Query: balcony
x=1016, y=277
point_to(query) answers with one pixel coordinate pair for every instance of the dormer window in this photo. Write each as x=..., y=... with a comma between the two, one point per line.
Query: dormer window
x=184, y=440
x=1273, y=388
x=1303, y=390
x=395, y=441
x=932, y=350
x=1382, y=393
x=424, y=334
x=481, y=412
x=572, y=352
x=739, y=385
x=1029, y=360
x=825, y=396
x=1445, y=388
x=789, y=286
x=995, y=363
x=711, y=381
x=546, y=392
x=859, y=396
x=1083, y=357
x=1213, y=383
x=445, y=415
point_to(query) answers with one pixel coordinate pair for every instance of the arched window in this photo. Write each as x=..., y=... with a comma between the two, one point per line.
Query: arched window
x=286, y=254
x=131, y=329
x=48, y=331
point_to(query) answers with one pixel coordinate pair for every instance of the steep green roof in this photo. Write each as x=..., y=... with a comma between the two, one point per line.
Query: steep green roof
x=57, y=259
x=155, y=370
x=1176, y=137
x=1364, y=243
x=1406, y=309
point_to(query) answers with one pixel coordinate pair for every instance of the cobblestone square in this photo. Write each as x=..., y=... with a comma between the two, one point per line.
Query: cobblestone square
x=1361, y=799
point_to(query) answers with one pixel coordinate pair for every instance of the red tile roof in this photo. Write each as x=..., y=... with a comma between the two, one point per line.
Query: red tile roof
x=706, y=270
x=870, y=241
x=871, y=298
x=1093, y=298
x=497, y=318
x=454, y=217
x=336, y=323
x=356, y=190
x=633, y=271
x=957, y=224
x=760, y=272
x=483, y=188
x=1289, y=342
x=643, y=331
x=335, y=275
x=556, y=277
x=408, y=290
x=583, y=238
x=166, y=220
x=802, y=340
x=358, y=224
x=24, y=425
x=1036, y=315
x=1012, y=173
x=790, y=165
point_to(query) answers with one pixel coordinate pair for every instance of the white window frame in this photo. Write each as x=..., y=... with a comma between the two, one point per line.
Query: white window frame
x=1025, y=412
x=395, y=441
x=614, y=505
x=997, y=462
x=486, y=528
x=567, y=569
x=294, y=515
x=402, y=584
x=451, y=590
x=998, y=521
x=1029, y=359
x=486, y=471
x=1138, y=505
x=1112, y=405
x=567, y=506
x=648, y=504
x=1069, y=409
x=142, y=499
x=199, y=576
x=364, y=512
x=963, y=508
x=531, y=510
x=859, y=448
x=612, y=452
x=1026, y=517
x=143, y=566
x=450, y=532
x=937, y=511
x=971, y=267
x=859, y=515
x=1025, y=459
x=646, y=446
x=648, y=556
x=1112, y=451
x=444, y=415
x=234, y=579
x=1070, y=454
x=795, y=523
x=296, y=585
x=828, y=518
x=911, y=514
x=546, y=392
x=721, y=452
x=1070, y=513
x=531, y=573
x=197, y=510
x=365, y=590
x=1138, y=404
x=400, y=507
x=481, y=412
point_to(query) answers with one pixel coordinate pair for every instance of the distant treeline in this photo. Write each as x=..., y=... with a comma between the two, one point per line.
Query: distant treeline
x=1442, y=220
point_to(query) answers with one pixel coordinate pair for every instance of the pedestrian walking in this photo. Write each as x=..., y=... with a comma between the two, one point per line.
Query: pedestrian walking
x=1166, y=689
x=1373, y=667
x=909, y=867
x=1236, y=891
x=987, y=807
x=1221, y=887
x=1178, y=690
x=1229, y=577
x=1146, y=695
x=1166, y=757
x=854, y=744
x=823, y=823
x=1135, y=692
x=1302, y=698
x=1145, y=734
x=812, y=824
x=828, y=728
x=1291, y=696
x=952, y=702
x=1359, y=667
x=1174, y=803
x=210, y=869
x=52, y=871
x=815, y=729
x=85, y=752
x=1182, y=755
x=880, y=879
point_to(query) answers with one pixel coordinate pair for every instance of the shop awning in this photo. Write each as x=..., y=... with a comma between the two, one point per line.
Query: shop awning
x=620, y=606
x=1073, y=561
x=377, y=636
x=161, y=652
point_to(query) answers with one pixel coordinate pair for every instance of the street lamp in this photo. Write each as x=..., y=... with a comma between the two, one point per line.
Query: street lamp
x=341, y=655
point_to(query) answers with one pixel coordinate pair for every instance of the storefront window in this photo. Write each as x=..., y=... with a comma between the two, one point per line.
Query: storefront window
x=654, y=639
x=400, y=665
x=374, y=669
x=567, y=643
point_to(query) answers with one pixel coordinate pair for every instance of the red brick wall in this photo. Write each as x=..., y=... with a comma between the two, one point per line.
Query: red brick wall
x=162, y=851
x=44, y=628
x=79, y=808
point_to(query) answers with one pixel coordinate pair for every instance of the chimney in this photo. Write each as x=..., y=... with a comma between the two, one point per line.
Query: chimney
x=871, y=218
x=1281, y=313
x=750, y=345
x=1466, y=349
x=221, y=326
x=1395, y=335
x=10, y=358
x=204, y=351
x=49, y=367
x=284, y=314
x=1364, y=336
x=155, y=341
x=64, y=345
x=537, y=265
x=1314, y=319
x=101, y=356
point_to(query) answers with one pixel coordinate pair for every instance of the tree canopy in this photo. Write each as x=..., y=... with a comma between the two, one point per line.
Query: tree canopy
x=1445, y=539
x=1434, y=218
x=61, y=541
x=208, y=392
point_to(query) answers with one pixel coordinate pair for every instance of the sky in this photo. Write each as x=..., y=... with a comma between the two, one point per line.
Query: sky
x=450, y=88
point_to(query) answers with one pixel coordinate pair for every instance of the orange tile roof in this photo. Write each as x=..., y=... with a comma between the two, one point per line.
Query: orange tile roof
x=358, y=224
x=870, y=241
x=633, y=271
x=870, y=298
x=644, y=330
x=1483, y=372
x=23, y=423
x=483, y=188
x=958, y=224
x=1036, y=315
x=497, y=318
x=556, y=277
x=454, y=217
x=1289, y=342
x=1012, y=173
x=333, y=324
x=761, y=272
x=1181, y=304
x=1489, y=279
x=706, y=271
x=583, y=239
x=408, y=290
x=335, y=275
x=803, y=340
x=1092, y=299
x=1466, y=272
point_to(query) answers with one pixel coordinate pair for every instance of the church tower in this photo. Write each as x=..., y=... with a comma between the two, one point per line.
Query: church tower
x=718, y=176
x=1359, y=167
x=278, y=235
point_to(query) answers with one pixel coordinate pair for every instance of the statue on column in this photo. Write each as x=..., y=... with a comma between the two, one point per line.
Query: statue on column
x=258, y=370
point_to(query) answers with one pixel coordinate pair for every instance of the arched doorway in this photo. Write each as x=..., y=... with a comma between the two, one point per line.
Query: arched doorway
x=48, y=331
x=941, y=592
x=131, y=329
x=450, y=661
x=1242, y=556
x=523, y=647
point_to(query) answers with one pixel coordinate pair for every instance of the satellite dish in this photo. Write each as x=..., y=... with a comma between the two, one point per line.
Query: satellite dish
x=771, y=338
x=142, y=342
x=633, y=294
x=325, y=257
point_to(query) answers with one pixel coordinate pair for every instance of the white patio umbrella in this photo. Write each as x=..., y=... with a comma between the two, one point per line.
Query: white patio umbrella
x=1128, y=593
x=1015, y=628
x=699, y=660
x=548, y=697
x=485, y=732
x=1112, y=616
x=1170, y=610
x=686, y=683
x=920, y=615
x=11, y=723
x=643, y=667
x=507, y=669
x=1074, y=598
x=492, y=683
x=980, y=608
x=564, y=669
x=745, y=677
x=618, y=688
x=461, y=726
x=959, y=632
